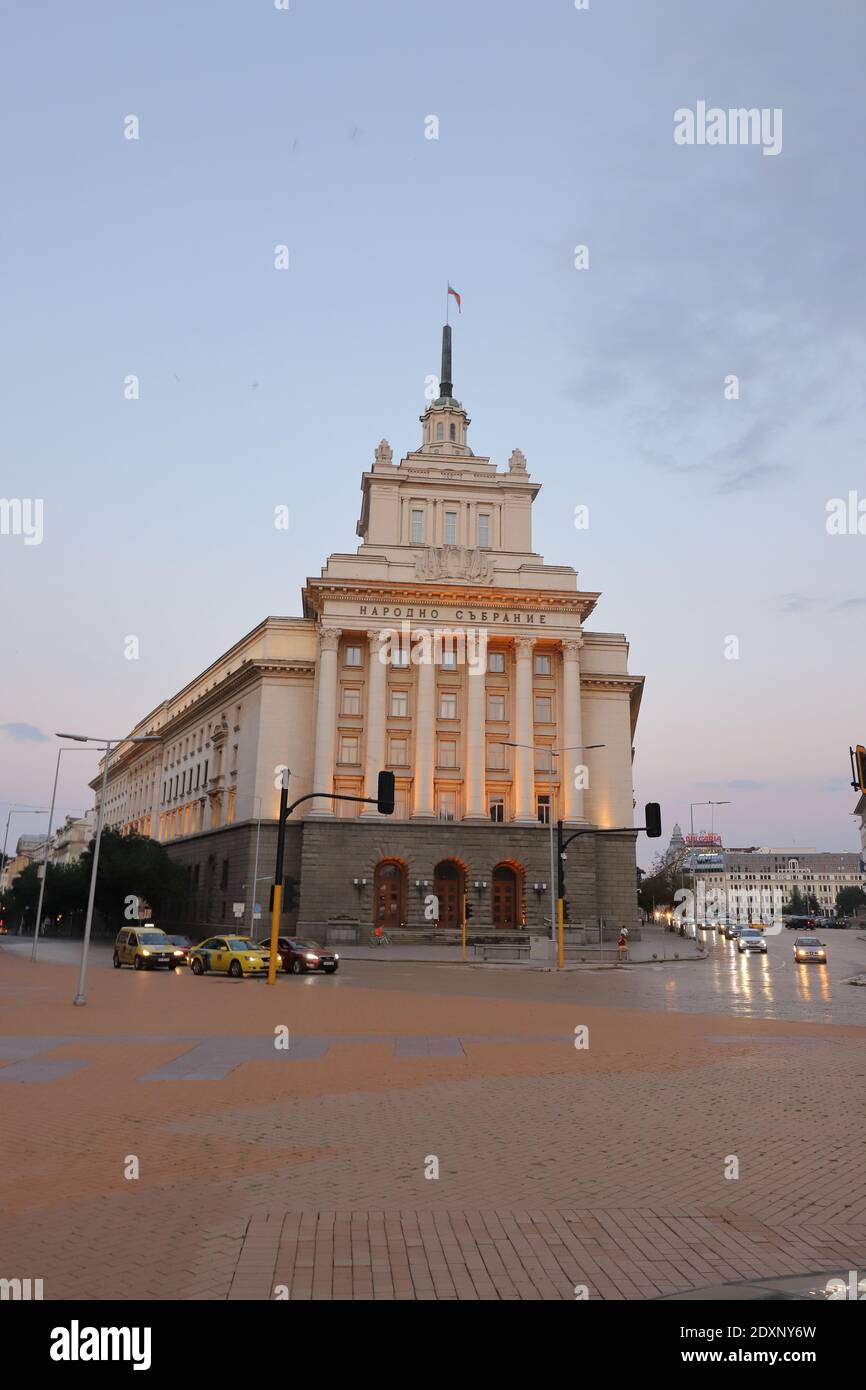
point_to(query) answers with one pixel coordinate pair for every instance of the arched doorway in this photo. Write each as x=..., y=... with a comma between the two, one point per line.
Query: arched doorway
x=448, y=881
x=506, y=906
x=389, y=895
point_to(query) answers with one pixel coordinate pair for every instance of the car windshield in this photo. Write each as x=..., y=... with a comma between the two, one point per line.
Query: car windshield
x=751, y=934
x=307, y=946
x=152, y=938
x=808, y=941
x=179, y=940
x=240, y=943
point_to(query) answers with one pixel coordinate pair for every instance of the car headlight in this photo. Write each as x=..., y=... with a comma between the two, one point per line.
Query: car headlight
x=254, y=957
x=178, y=953
x=145, y=952
x=310, y=956
x=336, y=957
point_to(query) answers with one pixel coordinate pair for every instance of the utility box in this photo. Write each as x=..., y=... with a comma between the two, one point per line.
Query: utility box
x=541, y=950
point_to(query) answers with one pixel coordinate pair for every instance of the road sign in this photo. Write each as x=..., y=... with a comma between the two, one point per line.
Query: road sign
x=238, y=909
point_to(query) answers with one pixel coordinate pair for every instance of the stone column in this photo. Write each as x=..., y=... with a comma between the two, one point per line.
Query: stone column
x=425, y=737
x=524, y=733
x=474, y=726
x=571, y=729
x=377, y=693
x=326, y=720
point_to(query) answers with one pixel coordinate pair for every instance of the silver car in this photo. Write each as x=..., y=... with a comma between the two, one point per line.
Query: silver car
x=751, y=940
x=808, y=948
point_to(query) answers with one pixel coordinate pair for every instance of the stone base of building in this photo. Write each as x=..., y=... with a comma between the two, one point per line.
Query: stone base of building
x=346, y=870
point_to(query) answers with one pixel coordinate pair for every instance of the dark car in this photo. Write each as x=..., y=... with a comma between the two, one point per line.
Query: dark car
x=180, y=948
x=300, y=956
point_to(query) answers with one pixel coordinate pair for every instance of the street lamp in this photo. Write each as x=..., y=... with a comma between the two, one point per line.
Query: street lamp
x=551, y=754
x=48, y=841
x=692, y=806
x=81, y=997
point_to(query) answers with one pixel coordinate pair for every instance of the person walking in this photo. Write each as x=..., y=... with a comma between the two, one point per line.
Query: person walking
x=622, y=945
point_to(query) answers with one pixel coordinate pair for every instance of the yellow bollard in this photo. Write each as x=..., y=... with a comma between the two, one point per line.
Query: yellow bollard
x=275, y=931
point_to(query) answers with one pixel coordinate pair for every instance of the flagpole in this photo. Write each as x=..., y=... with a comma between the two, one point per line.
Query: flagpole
x=447, y=298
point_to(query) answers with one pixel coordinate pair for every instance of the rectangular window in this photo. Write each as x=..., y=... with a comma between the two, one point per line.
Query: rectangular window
x=351, y=701
x=543, y=761
x=496, y=806
x=399, y=704
x=496, y=661
x=447, y=752
x=353, y=656
x=450, y=528
x=349, y=748
x=417, y=527
x=484, y=532
x=399, y=752
x=495, y=706
x=204, y=774
x=542, y=664
x=400, y=655
x=496, y=756
x=446, y=805
x=448, y=704
x=449, y=657
x=542, y=809
x=543, y=709
x=197, y=775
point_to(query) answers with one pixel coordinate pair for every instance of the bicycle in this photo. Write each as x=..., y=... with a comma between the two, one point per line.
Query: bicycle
x=383, y=940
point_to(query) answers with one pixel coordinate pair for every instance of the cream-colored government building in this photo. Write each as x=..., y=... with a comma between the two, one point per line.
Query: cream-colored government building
x=443, y=649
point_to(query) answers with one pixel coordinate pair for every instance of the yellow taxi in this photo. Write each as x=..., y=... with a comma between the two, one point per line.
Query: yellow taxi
x=144, y=948
x=230, y=955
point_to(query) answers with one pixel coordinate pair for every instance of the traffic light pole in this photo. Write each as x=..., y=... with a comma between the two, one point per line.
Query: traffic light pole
x=561, y=846
x=285, y=812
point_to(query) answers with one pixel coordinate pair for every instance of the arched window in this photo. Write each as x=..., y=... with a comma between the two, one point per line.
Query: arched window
x=440, y=430
x=453, y=433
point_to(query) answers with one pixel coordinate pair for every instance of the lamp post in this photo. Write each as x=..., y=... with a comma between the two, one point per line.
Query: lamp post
x=551, y=754
x=81, y=997
x=256, y=866
x=47, y=843
x=692, y=806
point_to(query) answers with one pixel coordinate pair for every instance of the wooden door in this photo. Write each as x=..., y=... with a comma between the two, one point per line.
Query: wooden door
x=504, y=899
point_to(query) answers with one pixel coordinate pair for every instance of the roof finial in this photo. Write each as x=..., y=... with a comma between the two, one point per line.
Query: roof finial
x=446, y=386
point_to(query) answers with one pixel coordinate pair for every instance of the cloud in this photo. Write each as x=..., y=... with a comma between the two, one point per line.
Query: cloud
x=737, y=784
x=24, y=733
x=752, y=477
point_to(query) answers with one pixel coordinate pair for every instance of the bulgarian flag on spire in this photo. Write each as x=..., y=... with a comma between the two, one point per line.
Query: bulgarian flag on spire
x=457, y=297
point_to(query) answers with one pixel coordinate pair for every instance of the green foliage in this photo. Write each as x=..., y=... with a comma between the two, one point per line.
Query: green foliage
x=658, y=888
x=848, y=900
x=130, y=866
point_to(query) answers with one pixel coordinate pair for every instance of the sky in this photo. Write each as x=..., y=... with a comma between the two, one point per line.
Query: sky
x=307, y=128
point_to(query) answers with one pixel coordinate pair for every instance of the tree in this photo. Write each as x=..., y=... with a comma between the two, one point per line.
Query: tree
x=658, y=887
x=849, y=900
x=134, y=866
x=130, y=867
x=798, y=906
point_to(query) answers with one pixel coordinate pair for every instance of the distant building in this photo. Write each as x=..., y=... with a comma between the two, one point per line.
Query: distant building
x=72, y=838
x=763, y=878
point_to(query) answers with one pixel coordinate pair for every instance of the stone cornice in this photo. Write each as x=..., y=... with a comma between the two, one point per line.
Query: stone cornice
x=209, y=700
x=579, y=603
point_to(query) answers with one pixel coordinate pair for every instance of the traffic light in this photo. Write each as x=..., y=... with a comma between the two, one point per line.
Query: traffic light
x=653, y=819
x=385, y=794
x=566, y=910
x=860, y=767
x=469, y=910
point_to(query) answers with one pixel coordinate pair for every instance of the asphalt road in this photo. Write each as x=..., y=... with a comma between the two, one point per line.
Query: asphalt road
x=740, y=986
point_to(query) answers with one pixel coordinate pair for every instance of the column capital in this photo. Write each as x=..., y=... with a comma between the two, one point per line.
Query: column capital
x=524, y=646
x=571, y=647
x=329, y=638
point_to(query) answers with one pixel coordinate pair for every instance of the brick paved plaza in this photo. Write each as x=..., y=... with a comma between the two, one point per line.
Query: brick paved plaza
x=302, y=1172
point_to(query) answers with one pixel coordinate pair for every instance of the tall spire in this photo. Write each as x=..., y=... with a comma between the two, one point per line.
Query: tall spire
x=446, y=385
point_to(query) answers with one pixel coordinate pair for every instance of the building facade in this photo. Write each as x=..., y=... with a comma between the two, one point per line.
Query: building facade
x=754, y=880
x=444, y=649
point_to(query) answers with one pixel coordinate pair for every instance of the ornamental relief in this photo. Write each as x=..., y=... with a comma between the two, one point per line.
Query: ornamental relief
x=454, y=562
